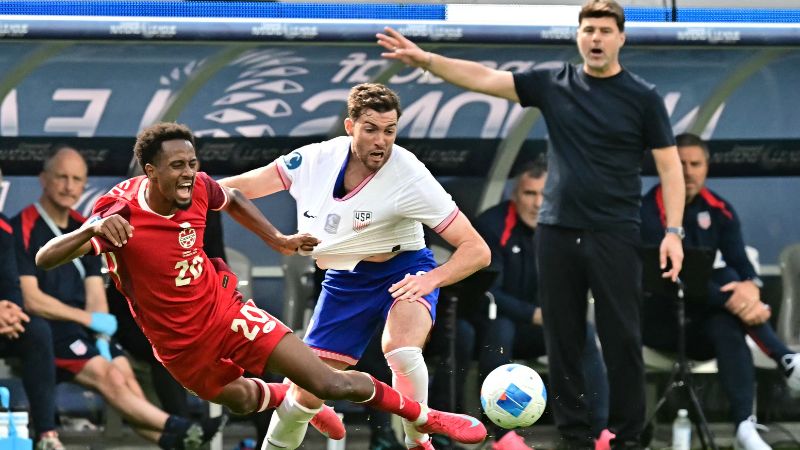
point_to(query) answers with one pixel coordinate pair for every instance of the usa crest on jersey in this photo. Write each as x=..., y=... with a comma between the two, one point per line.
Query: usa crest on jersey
x=704, y=220
x=361, y=220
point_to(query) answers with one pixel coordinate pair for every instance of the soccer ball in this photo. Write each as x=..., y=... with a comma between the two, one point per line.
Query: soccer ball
x=513, y=396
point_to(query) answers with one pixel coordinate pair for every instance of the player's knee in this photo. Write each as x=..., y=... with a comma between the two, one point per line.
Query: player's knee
x=241, y=408
x=239, y=397
x=405, y=360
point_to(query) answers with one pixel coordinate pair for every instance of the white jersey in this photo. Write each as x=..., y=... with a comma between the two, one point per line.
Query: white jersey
x=381, y=215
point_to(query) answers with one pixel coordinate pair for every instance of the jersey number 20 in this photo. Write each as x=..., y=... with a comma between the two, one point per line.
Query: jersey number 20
x=254, y=320
x=195, y=269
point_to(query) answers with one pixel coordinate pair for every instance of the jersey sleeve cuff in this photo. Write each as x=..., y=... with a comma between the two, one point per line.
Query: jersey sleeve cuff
x=285, y=180
x=96, y=245
x=446, y=222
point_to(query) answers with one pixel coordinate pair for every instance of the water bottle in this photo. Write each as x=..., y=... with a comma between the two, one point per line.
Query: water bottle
x=682, y=431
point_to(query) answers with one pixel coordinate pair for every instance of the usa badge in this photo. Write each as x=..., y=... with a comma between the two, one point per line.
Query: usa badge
x=361, y=220
x=704, y=220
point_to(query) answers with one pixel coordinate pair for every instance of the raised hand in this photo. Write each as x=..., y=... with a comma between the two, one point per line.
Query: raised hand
x=401, y=48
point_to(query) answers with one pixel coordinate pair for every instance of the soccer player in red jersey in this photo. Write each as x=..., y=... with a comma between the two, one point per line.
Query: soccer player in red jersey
x=150, y=229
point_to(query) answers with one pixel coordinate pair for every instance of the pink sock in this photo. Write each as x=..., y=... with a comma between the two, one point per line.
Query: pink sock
x=388, y=399
x=277, y=392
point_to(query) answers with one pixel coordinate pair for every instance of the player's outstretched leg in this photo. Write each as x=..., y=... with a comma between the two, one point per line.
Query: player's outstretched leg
x=325, y=419
x=295, y=360
x=247, y=395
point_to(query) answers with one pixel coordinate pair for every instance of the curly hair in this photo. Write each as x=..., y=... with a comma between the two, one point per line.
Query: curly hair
x=373, y=96
x=148, y=142
x=603, y=8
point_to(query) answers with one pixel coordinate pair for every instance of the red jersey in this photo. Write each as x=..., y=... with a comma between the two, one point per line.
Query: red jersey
x=171, y=286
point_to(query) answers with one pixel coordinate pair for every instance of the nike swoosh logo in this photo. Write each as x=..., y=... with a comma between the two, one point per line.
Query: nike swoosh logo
x=475, y=422
x=306, y=214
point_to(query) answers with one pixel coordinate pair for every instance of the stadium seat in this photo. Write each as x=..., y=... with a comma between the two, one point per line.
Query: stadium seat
x=242, y=267
x=298, y=272
x=789, y=317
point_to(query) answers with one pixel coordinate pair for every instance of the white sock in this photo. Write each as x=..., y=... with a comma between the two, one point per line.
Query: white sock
x=288, y=425
x=410, y=377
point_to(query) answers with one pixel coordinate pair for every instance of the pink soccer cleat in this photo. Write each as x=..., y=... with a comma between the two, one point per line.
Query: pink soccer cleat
x=511, y=441
x=459, y=427
x=328, y=423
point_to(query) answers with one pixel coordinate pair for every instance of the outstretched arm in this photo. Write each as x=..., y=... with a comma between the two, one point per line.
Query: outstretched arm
x=246, y=213
x=257, y=182
x=466, y=74
x=65, y=248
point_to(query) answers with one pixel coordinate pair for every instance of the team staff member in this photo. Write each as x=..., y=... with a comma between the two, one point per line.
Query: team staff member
x=509, y=229
x=716, y=325
x=28, y=338
x=601, y=118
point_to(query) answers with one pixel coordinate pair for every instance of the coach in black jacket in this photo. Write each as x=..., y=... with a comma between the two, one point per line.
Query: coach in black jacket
x=717, y=324
x=508, y=228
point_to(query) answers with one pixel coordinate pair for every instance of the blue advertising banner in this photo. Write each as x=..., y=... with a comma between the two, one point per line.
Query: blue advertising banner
x=266, y=99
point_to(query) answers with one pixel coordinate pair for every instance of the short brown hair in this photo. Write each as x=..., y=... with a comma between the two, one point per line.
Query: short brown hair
x=533, y=169
x=692, y=140
x=373, y=96
x=603, y=8
x=148, y=142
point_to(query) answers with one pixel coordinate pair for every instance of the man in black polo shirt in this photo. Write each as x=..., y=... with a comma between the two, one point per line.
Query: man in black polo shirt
x=509, y=229
x=601, y=119
x=718, y=323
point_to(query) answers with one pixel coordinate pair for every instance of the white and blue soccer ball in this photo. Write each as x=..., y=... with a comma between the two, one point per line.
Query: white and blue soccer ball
x=513, y=396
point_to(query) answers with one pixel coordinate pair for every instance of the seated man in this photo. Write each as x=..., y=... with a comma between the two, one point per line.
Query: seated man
x=717, y=325
x=72, y=299
x=517, y=331
x=27, y=338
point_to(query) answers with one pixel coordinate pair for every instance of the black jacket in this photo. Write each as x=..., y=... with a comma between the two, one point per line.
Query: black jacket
x=710, y=222
x=514, y=256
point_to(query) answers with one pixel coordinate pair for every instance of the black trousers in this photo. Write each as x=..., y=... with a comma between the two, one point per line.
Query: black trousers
x=572, y=262
x=35, y=348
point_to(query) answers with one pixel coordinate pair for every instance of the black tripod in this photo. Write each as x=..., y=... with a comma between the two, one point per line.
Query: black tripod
x=681, y=378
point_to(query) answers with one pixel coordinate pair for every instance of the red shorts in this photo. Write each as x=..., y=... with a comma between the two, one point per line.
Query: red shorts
x=250, y=335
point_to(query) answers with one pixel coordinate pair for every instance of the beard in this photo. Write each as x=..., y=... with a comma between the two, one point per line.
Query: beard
x=184, y=206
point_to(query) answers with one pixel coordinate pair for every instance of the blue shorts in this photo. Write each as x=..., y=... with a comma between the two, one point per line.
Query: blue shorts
x=354, y=303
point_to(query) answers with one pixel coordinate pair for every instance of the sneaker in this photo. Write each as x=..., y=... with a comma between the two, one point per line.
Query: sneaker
x=747, y=437
x=603, y=441
x=328, y=423
x=459, y=427
x=199, y=434
x=427, y=445
x=384, y=438
x=49, y=441
x=511, y=441
x=791, y=370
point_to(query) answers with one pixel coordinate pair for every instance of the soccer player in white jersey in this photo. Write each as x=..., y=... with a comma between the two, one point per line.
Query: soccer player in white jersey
x=366, y=199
